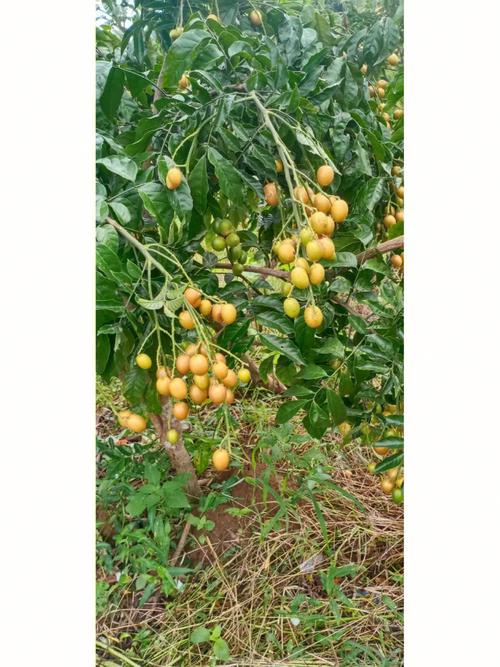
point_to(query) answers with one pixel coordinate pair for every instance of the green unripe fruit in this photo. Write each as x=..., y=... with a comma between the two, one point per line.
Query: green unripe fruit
x=172, y=436
x=232, y=240
x=291, y=307
x=226, y=227
x=219, y=243
x=397, y=496
x=371, y=467
x=243, y=257
x=234, y=253
x=238, y=269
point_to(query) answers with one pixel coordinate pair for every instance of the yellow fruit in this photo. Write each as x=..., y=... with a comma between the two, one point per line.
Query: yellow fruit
x=183, y=82
x=393, y=59
x=400, y=216
x=398, y=113
x=271, y=194
x=325, y=175
x=372, y=91
x=255, y=18
x=244, y=375
x=316, y=274
x=163, y=386
x=182, y=363
x=363, y=69
x=178, y=389
x=136, y=423
x=314, y=250
x=220, y=357
x=291, y=307
x=303, y=195
x=386, y=485
x=220, y=459
x=286, y=288
x=174, y=178
x=392, y=474
x=396, y=170
x=172, y=436
x=180, y=410
x=191, y=349
x=319, y=222
x=278, y=164
x=231, y=379
x=327, y=247
x=229, y=396
x=185, y=320
x=303, y=263
x=201, y=381
x=396, y=262
x=286, y=252
x=192, y=296
x=313, y=317
x=340, y=210
x=217, y=393
x=400, y=192
x=198, y=396
x=198, y=364
x=381, y=92
x=382, y=451
x=322, y=202
x=299, y=278
x=161, y=372
x=216, y=312
x=330, y=226
x=389, y=220
x=123, y=416
x=220, y=370
x=382, y=83
x=143, y=361
x=228, y=313
x=306, y=235
x=205, y=307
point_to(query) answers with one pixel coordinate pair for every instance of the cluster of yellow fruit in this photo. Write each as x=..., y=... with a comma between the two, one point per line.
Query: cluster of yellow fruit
x=222, y=313
x=392, y=61
x=392, y=482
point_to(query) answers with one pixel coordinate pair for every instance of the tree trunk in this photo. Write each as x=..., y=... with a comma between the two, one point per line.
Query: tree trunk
x=178, y=454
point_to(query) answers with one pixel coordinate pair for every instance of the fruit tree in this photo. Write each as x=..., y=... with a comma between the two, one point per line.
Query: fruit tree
x=250, y=194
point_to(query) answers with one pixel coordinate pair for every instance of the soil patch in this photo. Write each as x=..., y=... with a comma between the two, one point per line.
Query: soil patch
x=232, y=529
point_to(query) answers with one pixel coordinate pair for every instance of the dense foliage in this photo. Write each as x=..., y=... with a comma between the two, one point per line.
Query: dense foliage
x=248, y=103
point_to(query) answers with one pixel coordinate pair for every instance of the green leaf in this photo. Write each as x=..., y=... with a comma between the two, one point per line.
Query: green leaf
x=317, y=421
x=198, y=182
x=331, y=346
x=102, y=353
x=274, y=320
x=199, y=635
x=182, y=54
x=336, y=407
x=174, y=495
x=134, y=385
x=312, y=372
x=121, y=165
x=344, y=259
x=391, y=443
x=230, y=180
x=289, y=409
x=112, y=93
x=137, y=504
x=221, y=649
x=121, y=212
x=389, y=462
x=282, y=345
x=155, y=199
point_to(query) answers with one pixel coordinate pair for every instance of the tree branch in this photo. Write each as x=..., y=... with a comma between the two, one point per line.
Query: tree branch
x=386, y=246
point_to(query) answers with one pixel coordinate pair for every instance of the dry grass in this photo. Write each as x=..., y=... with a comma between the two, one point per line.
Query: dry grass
x=270, y=611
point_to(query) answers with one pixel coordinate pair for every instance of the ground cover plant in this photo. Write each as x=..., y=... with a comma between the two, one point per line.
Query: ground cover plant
x=249, y=293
